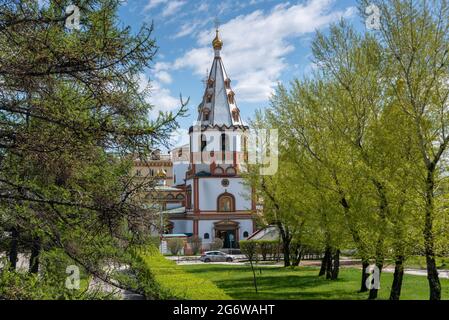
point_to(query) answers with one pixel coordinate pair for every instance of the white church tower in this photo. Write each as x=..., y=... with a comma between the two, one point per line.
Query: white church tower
x=217, y=201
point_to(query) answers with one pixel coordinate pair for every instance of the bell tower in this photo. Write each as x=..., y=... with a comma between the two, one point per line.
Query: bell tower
x=220, y=204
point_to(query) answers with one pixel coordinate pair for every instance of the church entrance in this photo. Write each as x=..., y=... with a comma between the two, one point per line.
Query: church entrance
x=228, y=232
x=228, y=238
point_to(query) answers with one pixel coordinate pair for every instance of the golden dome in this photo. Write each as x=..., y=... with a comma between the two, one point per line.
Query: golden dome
x=217, y=43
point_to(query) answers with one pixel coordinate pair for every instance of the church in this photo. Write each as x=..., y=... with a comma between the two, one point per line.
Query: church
x=207, y=197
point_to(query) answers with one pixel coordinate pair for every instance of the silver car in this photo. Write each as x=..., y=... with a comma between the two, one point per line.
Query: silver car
x=216, y=256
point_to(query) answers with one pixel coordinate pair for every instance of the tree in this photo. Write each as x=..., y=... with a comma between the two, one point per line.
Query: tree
x=73, y=119
x=196, y=244
x=416, y=39
x=175, y=245
x=249, y=249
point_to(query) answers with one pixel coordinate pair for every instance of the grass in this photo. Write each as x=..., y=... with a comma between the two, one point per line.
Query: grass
x=178, y=283
x=304, y=284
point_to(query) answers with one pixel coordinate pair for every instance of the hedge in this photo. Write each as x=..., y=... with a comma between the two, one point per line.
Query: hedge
x=176, y=282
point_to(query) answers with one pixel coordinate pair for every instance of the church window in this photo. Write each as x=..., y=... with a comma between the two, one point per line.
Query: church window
x=245, y=234
x=226, y=202
x=235, y=115
x=231, y=171
x=224, y=145
x=231, y=97
x=189, y=197
x=225, y=183
x=206, y=116
x=203, y=142
x=209, y=99
x=206, y=236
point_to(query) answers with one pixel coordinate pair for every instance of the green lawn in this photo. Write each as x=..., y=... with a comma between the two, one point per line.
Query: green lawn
x=303, y=283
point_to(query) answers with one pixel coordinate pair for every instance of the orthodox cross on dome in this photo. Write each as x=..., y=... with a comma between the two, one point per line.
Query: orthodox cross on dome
x=217, y=23
x=217, y=44
x=219, y=107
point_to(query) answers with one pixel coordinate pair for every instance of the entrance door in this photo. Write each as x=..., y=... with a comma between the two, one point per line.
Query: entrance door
x=229, y=239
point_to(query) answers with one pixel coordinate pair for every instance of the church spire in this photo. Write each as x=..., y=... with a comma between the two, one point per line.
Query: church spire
x=218, y=107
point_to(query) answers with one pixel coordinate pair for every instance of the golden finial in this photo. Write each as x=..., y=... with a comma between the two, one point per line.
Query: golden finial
x=217, y=43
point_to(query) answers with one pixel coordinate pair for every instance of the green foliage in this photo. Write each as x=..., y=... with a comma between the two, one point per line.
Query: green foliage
x=50, y=284
x=250, y=249
x=175, y=245
x=216, y=244
x=196, y=244
x=175, y=282
x=74, y=118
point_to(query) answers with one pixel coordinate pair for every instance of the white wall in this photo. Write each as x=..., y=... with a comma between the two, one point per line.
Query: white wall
x=179, y=172
x=245, y=225
x=206, y=226
x=211, y=188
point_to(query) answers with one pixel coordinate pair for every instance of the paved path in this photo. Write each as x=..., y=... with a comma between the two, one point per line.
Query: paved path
x=444, y=274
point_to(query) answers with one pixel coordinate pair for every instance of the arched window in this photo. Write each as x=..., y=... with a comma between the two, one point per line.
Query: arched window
x=228, y=83
x=231, y=97
x=224, y=146
x=245, y=234
x=203, y=142
x=226, y=203
x=235, y=115
x=224, y=142
x=206, y=236
x=189, y=197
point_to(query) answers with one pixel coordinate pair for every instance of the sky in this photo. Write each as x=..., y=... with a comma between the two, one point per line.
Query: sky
x=266, y=42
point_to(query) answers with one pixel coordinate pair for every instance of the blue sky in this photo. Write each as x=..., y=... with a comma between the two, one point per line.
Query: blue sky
x=265, y=42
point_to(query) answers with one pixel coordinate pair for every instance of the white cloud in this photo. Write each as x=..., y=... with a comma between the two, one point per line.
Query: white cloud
x=153, y=4
x=256, y=45
x=164, y=77
x=172, y=7
x=160, y=97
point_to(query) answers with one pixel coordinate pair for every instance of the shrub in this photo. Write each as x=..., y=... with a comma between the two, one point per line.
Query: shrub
x=196, y=244
x=175, y=245
x=266, y=248
x=177, y=283
x=217, y=244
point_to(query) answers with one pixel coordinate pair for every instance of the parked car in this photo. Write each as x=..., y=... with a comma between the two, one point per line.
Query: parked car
x=216, y=256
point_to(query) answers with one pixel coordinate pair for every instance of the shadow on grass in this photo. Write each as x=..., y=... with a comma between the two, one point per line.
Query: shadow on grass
x=277, y=283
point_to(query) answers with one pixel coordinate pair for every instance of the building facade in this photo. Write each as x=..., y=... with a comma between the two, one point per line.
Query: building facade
x=207, y=171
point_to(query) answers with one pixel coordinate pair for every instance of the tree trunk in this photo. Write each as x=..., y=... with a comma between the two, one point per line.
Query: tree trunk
x=336, y=265
x=373, y=291
x=286, y=239
x=329, y=265
x=324, y=262
x=34, y=258
x=296, y=257
x=254, y=274
x=13, y=249
x=396, y=287
x=383, y=214
x=432, y=272
x=365, y=265
x=379, y=264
